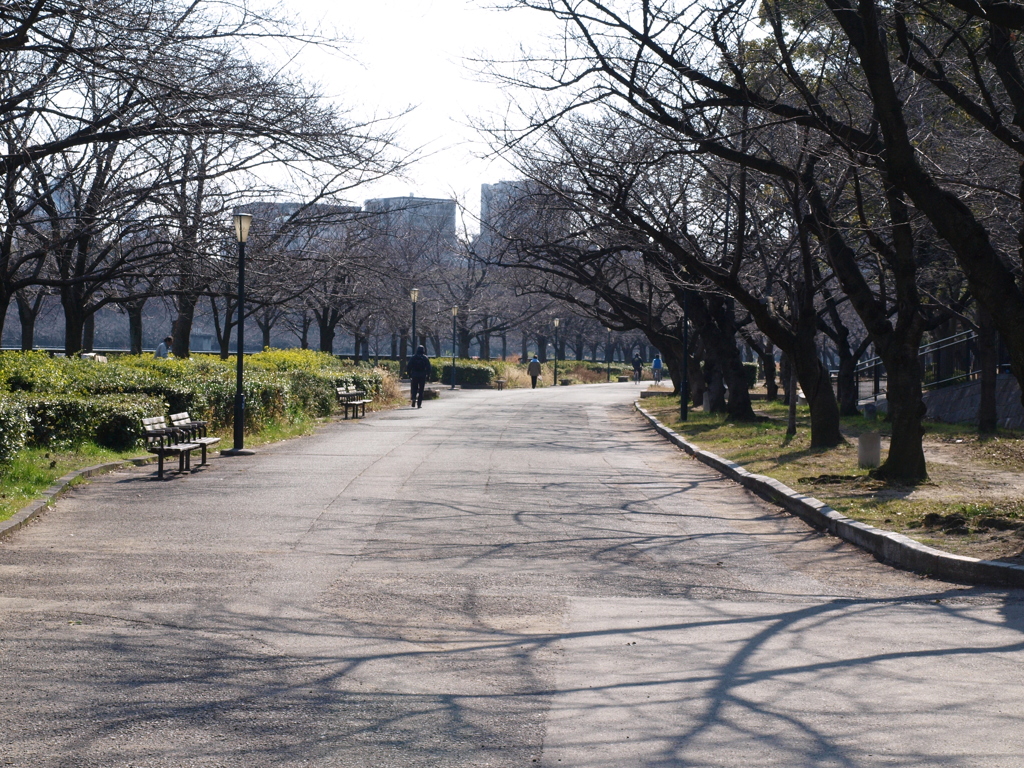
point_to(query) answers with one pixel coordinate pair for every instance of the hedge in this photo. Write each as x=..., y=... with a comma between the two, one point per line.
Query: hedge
x=59, y=421
x=467, y=374
x=14, y=428
x=66, y=401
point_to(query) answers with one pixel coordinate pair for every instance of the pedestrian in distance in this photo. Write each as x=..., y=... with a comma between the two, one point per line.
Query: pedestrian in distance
x=656, y=368
x=419, y=369
x=638, y=367
x=163, y=348
x=534, y=370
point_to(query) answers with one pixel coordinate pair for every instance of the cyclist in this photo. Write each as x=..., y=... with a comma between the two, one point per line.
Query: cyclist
x=638, y=367
x=656, y=369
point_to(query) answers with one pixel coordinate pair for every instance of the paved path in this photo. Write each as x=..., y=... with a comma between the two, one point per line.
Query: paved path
x=499, y=579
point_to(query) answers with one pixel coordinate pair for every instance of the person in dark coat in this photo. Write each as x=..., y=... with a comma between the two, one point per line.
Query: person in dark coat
x=534, y=370
x=419, y=370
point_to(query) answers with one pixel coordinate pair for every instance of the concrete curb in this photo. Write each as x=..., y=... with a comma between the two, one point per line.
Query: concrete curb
x=891, y=548
x=51, y=494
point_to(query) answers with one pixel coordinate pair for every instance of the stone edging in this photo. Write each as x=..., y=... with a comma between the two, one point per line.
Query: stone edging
x=51, y=494
x=892, y=548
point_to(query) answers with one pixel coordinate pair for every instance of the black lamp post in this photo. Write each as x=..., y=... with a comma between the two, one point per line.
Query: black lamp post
x=455, y=313
x=608, y=355
x=556, y=351
x=242, y=222
x=684, y=386
x=414, y=294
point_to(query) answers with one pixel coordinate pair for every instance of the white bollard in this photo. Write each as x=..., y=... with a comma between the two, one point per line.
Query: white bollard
x=869, y=450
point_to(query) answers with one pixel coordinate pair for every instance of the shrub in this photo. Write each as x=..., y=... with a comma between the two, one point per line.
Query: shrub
x=393, y=367
x=113, y=421
x=467, y=374
x=311, y=392
x=14, y=428
x=33, y=372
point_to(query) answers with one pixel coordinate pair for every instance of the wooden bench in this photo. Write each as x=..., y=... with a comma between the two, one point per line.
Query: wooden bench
x=195, y=432
x=163, y=440
x=353, y=400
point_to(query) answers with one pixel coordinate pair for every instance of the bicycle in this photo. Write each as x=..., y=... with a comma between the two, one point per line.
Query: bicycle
x=637, y=374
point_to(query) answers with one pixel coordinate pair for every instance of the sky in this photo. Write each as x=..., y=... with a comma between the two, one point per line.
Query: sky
x=412, y=53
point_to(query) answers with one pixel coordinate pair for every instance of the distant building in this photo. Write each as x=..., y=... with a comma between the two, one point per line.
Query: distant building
x=511, y=211
x=416, y=214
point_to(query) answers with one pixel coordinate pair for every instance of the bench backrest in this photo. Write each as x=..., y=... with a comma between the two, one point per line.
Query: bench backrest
x=154, y=423
x=153, y=431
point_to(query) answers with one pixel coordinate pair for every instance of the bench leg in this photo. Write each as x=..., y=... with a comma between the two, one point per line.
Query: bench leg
x=203, y=462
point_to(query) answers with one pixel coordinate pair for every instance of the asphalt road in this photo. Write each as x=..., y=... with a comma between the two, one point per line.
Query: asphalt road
x=514, y=578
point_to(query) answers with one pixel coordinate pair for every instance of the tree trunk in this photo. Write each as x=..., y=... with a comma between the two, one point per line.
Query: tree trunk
x=265, y=328
x=74, y=321
x=988, y=418
x=846, y=384
x=542, y=348
x=327, y=333
x=28, y=312
x=816, y=383
x=89, y=332
x=906, y=410
x=5, y=302
x=181, y=328
x=771, y=383
x=134, y=310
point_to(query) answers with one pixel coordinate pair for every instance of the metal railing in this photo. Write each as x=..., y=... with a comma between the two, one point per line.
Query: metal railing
x=951, y=360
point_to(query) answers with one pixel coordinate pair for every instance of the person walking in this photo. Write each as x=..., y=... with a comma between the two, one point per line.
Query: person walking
x=163, y=348
x=418, y=369
x=656, y=368
x=638, y=367
x=534, y=370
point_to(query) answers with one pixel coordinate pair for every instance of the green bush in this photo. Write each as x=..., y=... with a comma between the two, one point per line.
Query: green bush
x=112, y=421
x=311, y=392
x=467, y=374
x=33, y=372
x=14, y=428
x=71, y=401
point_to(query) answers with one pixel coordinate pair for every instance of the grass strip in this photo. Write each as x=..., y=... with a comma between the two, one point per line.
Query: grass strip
x=972, y=503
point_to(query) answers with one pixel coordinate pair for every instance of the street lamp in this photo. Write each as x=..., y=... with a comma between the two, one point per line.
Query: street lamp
x=556, y=351
x=455, y=313
x=414, y=294
x=684, y=385
x=242, y=222
x=608, y=354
